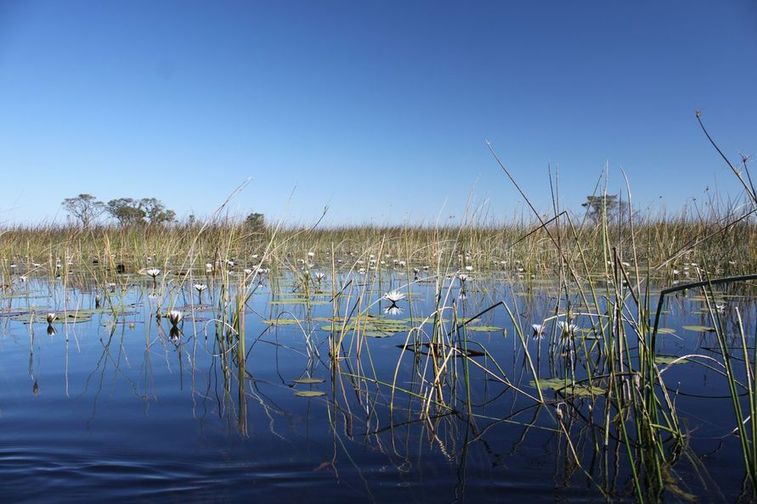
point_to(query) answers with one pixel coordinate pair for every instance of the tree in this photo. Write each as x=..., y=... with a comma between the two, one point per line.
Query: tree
x=598, y=207
x=156, y=212
x=608, y=205
x=255, y=221
x=84, y=208
x=130, y=212
x=126, y=211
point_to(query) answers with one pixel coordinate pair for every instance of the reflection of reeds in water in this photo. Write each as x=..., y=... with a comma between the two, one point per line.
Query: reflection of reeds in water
x=585, y=368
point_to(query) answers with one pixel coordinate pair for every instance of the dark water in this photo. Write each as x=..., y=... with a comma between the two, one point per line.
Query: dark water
x=114, y=408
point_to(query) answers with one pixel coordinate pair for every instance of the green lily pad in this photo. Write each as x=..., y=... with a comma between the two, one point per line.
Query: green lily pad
x=309, y=393
x=308, y=381
x=484, y=328
x=669, y=359
x=560, y=386
x=699, y=328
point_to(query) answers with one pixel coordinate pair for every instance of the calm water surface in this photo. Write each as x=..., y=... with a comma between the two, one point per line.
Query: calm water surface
x=117, y=408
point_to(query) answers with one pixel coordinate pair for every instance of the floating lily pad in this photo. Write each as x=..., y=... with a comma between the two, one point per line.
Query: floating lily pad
x=699, y=328
x=669, y=359
x=309, y=393
x=567, y=389
x=308, y=381
x=370, y=326
x=665, y=330
x=423, y=348
x=484, y=328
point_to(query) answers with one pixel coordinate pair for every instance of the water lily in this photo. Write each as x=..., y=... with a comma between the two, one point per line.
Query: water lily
x=394, y=296
x=153, y=272
x=175, y=316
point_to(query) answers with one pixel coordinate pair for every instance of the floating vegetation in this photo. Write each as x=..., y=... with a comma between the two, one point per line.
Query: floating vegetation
x=669, y=359
x=309, y=381
x=699, y=328
x=309, y=393
x=484, y=328
x=564, y=389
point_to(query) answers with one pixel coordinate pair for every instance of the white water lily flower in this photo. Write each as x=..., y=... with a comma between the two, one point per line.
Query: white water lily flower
x=153, y=272
x=175, y=316
x=394, y=296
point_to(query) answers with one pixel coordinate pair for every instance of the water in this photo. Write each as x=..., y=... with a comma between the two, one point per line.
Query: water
x=114, y=408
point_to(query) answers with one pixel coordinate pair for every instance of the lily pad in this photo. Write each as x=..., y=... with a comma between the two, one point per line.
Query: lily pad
x=309, y=393
x=699, y=328
x=669, y=359
x=308, y=380
x=560, y=386
x=665, y=330
x=483, y=328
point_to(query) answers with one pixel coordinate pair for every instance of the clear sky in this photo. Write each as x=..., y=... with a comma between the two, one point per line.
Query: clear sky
x=379, y=110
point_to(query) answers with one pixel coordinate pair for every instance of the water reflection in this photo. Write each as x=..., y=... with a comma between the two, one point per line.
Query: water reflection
x=438, y=396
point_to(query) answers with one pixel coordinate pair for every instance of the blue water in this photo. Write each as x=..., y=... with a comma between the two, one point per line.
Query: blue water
x=117, y=409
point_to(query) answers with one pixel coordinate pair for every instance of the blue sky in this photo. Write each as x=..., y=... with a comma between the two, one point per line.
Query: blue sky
x=379, y=110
